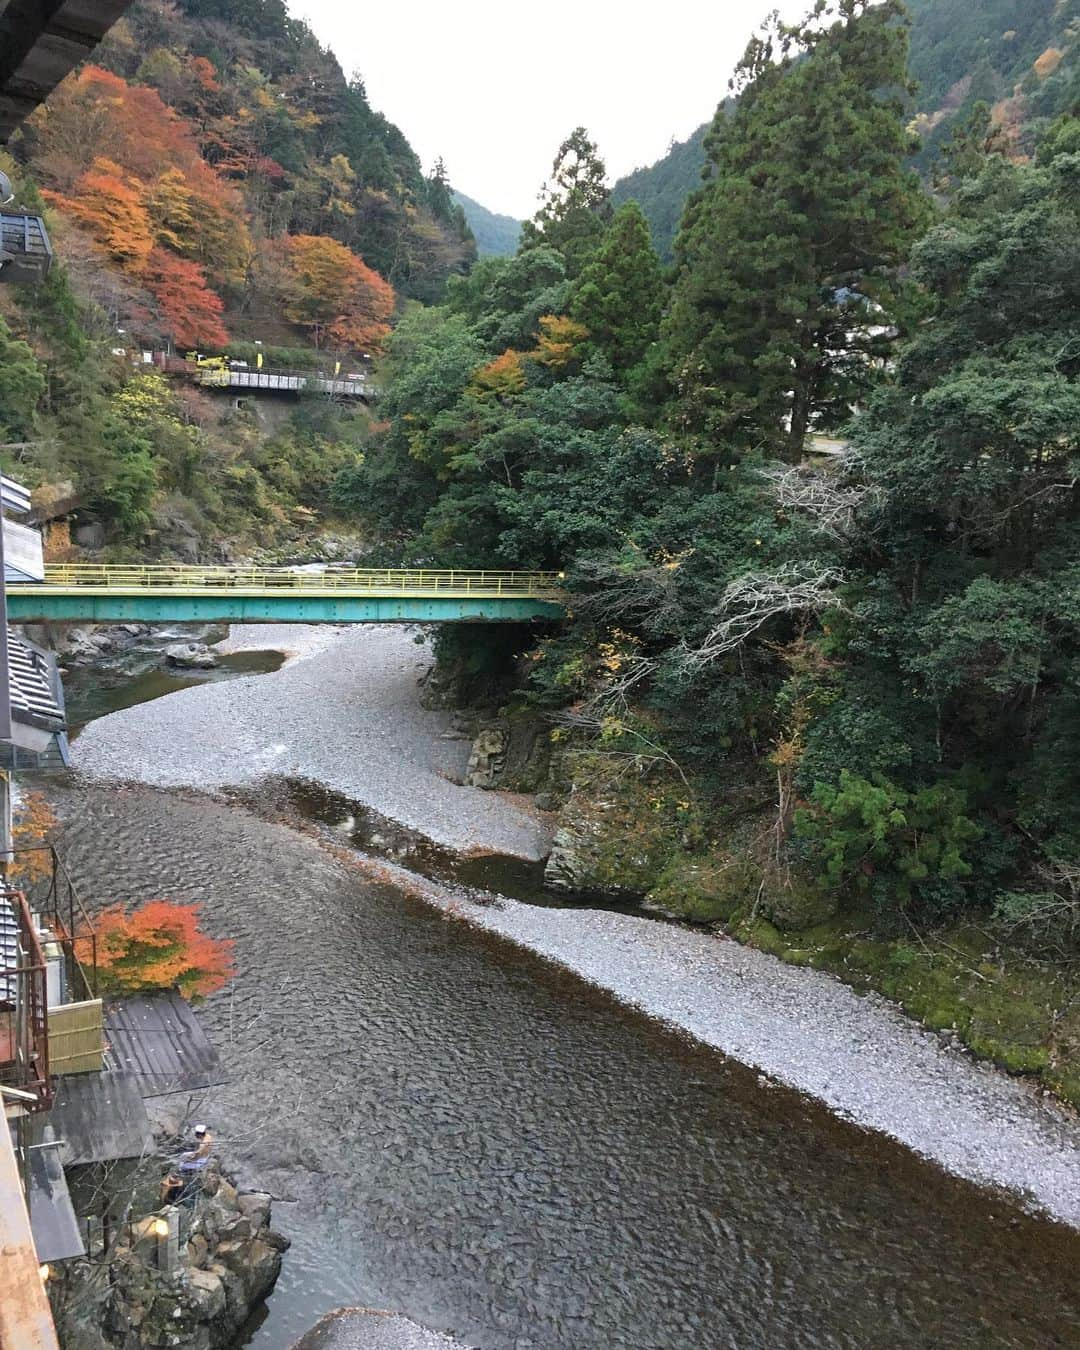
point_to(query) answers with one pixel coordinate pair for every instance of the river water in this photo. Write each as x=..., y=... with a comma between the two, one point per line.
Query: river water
x=458, y=1131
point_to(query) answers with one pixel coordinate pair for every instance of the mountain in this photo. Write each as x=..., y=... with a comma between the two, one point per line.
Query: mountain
x=661, y=191
x=211, y=141
x=1020, y=56
x=495, y=235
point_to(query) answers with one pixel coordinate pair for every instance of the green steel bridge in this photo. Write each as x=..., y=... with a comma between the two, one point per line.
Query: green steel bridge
x=104, y=593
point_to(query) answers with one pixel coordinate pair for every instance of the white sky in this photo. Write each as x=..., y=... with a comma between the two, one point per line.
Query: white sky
x=494, y=86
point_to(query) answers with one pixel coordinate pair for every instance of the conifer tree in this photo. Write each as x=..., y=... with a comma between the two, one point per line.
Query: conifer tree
x=788, y=254
x=619, y=296
x=574, y=207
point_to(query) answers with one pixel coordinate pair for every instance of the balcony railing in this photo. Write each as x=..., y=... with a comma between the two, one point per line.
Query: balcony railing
x=24, y=1015
x=41, y=870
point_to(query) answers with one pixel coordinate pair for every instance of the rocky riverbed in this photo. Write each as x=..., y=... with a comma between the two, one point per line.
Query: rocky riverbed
x=345, y=710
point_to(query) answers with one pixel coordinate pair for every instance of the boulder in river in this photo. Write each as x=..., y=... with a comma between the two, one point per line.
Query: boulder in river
x=190, y=656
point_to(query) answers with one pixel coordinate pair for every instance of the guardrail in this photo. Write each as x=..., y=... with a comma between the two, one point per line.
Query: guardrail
x=366, y=581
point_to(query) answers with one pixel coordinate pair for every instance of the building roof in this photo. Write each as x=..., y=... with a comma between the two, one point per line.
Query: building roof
x=100, y=1117
x=36, y=701
x=41, y=41
x=158, y=1041
x=52, y=1215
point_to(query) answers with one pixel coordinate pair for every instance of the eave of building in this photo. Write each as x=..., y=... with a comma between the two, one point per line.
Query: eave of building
x=42, y=41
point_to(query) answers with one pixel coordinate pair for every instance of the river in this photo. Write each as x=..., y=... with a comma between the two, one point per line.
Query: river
x=459, y=1131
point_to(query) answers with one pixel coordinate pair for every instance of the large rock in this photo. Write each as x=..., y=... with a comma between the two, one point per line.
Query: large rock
x=208, y=1293
x=368, y=1329
x=488, y=758
x=190, y=656
x=227, y=1268
x=619, y=828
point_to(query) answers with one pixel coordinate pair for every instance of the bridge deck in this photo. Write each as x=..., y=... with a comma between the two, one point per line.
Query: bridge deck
x=99, y=593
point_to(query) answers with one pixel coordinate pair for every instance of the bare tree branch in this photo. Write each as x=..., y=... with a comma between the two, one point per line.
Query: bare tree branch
x=750, y=601
x=827, y=500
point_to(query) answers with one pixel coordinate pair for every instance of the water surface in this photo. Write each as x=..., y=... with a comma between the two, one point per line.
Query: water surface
x=459, y=1132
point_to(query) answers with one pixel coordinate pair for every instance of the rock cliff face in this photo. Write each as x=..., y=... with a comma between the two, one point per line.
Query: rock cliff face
x=230, y=1259
x=618, y=829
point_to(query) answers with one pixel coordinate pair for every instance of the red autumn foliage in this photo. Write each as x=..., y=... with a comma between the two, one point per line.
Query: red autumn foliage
x=157, y=947
x=332, y=291
x=149, y=192
x=192, y=311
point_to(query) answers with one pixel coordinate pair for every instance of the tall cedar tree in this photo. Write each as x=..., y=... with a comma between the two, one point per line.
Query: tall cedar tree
x=788, y=255
x=574, y=207
x=620, y=294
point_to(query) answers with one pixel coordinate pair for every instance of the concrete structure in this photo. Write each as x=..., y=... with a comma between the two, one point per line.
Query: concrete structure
x=42, y=41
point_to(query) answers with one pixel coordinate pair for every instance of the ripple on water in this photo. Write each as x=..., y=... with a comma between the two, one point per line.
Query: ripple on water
x=485, y=1144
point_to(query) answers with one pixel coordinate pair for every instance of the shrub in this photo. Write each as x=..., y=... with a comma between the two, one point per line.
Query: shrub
x=157, y=947
x=896, y=846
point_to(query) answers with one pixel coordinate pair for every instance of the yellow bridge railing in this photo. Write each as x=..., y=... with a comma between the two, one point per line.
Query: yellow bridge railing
x=356, y=580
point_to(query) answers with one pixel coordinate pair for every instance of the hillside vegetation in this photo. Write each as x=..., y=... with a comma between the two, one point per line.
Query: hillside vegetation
x=829, y=702
x=213, y=182
x=496, y=236
x=1020, y=58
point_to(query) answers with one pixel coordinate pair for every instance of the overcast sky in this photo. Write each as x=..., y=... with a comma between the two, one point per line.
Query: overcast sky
x=494, y=86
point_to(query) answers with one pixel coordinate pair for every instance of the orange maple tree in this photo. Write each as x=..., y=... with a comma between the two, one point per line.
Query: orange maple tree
x=331, y=291
x=109, y=203
x=34, y=823
x=156, y=947
x=502, y=378
x=148, y=192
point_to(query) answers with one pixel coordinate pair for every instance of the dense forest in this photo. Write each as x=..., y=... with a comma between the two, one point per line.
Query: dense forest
x=848, y=678
x=1019, y=58
x=213, y=182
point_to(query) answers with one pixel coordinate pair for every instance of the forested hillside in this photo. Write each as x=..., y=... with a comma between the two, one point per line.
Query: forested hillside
x=213, y=181
x=822, y=700
x=1020, y=58
x=661, y=191
x=495, y=235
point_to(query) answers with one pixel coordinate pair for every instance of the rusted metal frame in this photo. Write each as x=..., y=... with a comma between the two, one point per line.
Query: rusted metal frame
x=74, y=927
x=31, y=1003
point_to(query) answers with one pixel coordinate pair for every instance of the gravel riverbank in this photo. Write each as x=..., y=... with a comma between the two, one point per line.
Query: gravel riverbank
x=346, y=712
x=362, y=1329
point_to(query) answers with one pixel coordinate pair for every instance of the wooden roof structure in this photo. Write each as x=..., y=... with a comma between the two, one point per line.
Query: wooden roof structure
x=42, y=41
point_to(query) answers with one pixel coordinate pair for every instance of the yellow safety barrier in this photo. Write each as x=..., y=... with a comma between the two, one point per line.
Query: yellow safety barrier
x=364, y=581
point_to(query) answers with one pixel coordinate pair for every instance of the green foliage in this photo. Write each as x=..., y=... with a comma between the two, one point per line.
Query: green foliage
x=22, y=385
x=902, y=848
x=662, y=189
x=789, y=255
x=574, y=206
x=620, y=293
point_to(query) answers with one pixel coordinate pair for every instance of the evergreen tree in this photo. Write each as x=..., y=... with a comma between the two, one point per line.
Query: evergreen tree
x=574, y=206
x=620, y=294
x=788, y=255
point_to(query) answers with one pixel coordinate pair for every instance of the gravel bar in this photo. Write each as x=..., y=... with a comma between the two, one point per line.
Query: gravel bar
x=362, y=1329
x=858, y=1054
x=346, y=712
